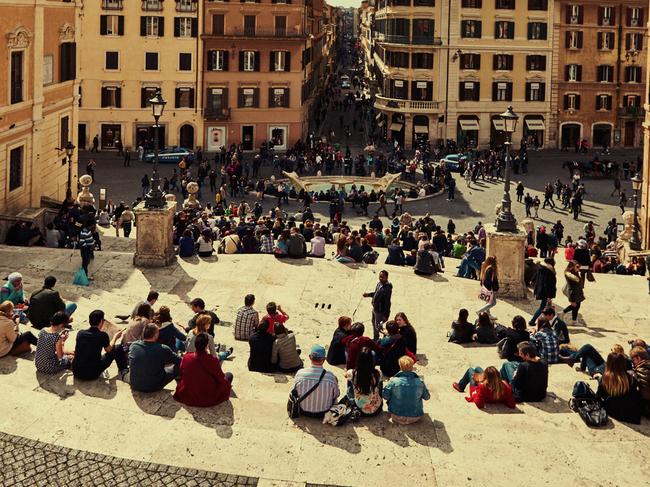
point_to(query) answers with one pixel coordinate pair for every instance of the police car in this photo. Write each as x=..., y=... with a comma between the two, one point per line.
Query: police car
x=172, y=155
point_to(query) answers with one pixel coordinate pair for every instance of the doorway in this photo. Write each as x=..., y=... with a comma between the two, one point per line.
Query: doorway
x=628, y=136
x=247, y=134
x=110, y=134
x=186, y=138
x=144, y=135
x=570, y=135
x=82, y=137
x=601, y=135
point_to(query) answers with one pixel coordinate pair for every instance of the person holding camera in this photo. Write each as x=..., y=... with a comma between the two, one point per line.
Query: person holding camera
x=50, y=357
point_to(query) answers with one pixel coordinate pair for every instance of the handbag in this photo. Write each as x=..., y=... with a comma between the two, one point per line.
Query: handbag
x=485, y=294
x=293, y=404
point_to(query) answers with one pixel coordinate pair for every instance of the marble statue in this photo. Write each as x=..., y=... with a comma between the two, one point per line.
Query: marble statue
x=85, y=197
x=191, y=201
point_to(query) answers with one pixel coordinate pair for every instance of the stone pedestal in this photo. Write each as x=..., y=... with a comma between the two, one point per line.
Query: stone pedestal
x=509, y=249
x=154, y=236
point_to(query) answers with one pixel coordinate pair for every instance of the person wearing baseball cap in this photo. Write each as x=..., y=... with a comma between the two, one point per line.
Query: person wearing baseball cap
x=325, y=394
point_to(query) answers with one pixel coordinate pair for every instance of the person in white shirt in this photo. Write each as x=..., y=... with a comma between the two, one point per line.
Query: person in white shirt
x=317, y=245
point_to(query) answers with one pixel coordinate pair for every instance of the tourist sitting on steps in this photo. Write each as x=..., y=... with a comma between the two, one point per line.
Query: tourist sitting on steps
x=198, y=307
x=490, y=388
x=45, y=302
x=618, y=391
x=247, y=319
x=11, y=340
x=394, y=347
x=261, y=349
x=354, y=342
x=285, y=354
x=336, y=351
x=326, y=393
x=528, y=378
x=462, y=331
x=404, y=394
x=365, y=384
x=151, y=365
x=170, y=333
x=202, y=326
x=50, y=357
x=641, y=369
x=152, y=298
x=135, y=328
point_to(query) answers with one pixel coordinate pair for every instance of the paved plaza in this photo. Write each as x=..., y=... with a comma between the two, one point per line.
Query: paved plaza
x=250, y=436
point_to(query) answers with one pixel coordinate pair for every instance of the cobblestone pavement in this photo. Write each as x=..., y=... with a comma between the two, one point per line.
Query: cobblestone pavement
x=26, y=462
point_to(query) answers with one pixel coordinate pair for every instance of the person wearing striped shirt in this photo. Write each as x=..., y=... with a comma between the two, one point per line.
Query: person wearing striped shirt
x=86, y=246
x=325, y=395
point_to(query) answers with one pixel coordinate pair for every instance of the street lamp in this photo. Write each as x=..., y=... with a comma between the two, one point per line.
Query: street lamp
x=635, y=239
x=69, y=151
x=506, y=221
x=155, y=197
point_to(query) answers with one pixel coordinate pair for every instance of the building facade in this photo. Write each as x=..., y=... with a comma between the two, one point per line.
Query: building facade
x=406, y=56
x=264, y=63
x=644, y=202
x=600, y=68
x=38, y=109
x=128, y=50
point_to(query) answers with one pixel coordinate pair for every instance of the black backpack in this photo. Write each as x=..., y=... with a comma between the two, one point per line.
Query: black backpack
x=587, y=405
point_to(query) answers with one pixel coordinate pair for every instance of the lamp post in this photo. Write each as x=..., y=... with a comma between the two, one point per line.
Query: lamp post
x=155, y=197
x=506, y=221
x=635, y=238
x=69, y=151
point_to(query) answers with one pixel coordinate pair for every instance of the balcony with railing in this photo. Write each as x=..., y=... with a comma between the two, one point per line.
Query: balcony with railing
x=211, y=113
x=411, y=40
x=257, y=32
x=408, y=106
x=152, y=5
x=186, y=6
x=631, y=112
x=112, y=4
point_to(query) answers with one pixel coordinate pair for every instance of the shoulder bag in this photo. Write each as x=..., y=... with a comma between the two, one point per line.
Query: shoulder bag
x=293, y=404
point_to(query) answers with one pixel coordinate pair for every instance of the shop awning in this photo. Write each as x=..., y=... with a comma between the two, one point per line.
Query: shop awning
x=396, y=127
x=380, y=123
x=421, y=129
x=535, y=124
x=468, y=124
x=498, y=124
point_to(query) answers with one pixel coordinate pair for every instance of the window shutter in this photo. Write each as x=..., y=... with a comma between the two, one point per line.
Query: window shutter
x=543, y=63
x=287, y=61
x=579, y=72
x=599, y=40
x=567, y=42
x=577, y=103
x=494, y=91
x=256, y=98
x=479, y=29
x=528, y=62
x=272, y=60
x=287, y=94
x=509, y=92
x=104, y=98
x=143, y=26
x=241, y=60
x=257, y=61
x=566, y=73
x=637, y=100
x=580, y=40
x=118, y=98
x=177, y=98
x=567, y=19
x=530, y=30
x=601, y=13
x=240, y=101
x=599, y=73
x=226, y=56
x=461, y=91
x=477, y=91
x=566, y=102
x=143, y=98
x=598, y=105
x=161, y=26
x=542, y=92
x=628, y=16
x=641, y=11
x=177, y=27
x=191, y=97
x=612, y=20
x=102, y=25
x=544, y=31
x=511, y=30
x=210, y=60
x=628, y=41
x=271, y=98
x=527, y=91
x=495, y=62
x=496, y=30
x=225, y=100
x=580, y=14
x=120, y=25
x=510, y=61
x=195, y=27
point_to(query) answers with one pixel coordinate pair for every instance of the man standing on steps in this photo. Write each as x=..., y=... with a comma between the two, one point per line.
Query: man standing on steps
x=380, y=302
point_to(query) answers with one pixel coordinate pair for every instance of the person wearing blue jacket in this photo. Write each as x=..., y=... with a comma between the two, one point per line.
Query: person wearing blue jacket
x=404, y=394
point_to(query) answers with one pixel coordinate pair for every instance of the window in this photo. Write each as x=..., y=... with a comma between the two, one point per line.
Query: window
x=537, y=4
x=605, y=74
x=112, y=60
x=424, y=3
x=152, y=26
x=504, y=29
x=606, y=16
x=111, y=25
x=574, y=14
x=502, y=62
x=573, y=39
x=535, y=62
x=472, y=3
x=64, y=131
x=249, y=61
x=504, y=4
x=184, y=97
x=67, y=61
x=633, y=101
x=502, y=91
x=469, y=91
x=280, y=25
x=605, y=40
x=537, y=31
x=186, y=5
x=422, y=90
x=397, y=59
x=16, y=82
x=185, y=27
x=280, y=61
x=111, y=97
x=217, y=60
x=633, y=41
x=535, y=91
x=422, y=31
x=217, y=101
x=422, y=60
x=603, y=102
x=217, y=25
x=48, y=69
x=470, y=29
x=573, y=72
x=16, y=168
x=112, y=4
x=572, y=101
x=633, y=74
x=152, y=5
x=634, y=17
x=398, y=89
x=185, y=61
x=470, y=61
x=278, y=97
x=146, y=94
x=249, y=25
x=248, y=98
x=151, y=61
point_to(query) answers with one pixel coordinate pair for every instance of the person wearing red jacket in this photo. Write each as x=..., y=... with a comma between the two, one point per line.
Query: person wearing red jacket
x=355, y=342
x=202, y=382
x=490, y=388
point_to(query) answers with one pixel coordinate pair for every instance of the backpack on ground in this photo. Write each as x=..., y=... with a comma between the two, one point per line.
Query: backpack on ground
x=587, y=405
x=370, y=257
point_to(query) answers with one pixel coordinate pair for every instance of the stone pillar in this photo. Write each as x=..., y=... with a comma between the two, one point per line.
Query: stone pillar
x=509, y=250
x=154, y=236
